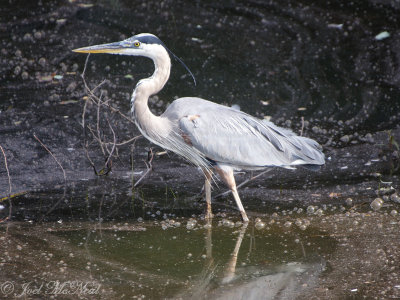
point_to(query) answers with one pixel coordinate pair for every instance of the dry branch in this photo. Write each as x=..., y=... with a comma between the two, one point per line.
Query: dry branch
x=52, y=155
x=149, y=167
x=98, y=132
x=9, y=184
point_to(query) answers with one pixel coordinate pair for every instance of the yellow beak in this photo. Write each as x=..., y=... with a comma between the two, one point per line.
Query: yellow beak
x=104, y=48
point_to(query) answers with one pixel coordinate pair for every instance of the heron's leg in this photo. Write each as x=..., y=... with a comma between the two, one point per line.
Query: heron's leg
x=231, y=267
x=207, y=188
x=227, y=176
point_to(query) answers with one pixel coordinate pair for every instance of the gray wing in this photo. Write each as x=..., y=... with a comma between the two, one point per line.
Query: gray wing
x=231, y=137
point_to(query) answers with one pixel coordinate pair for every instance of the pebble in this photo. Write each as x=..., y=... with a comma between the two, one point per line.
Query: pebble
x=228, y=223
x=369, y=138
x=287, y=224
x=377, y=204
x=207, y=226
x=310, y=209
x=71, y=87
x=260, y=225
x=191, y=223
x=38, y=35
x=42, y=61
x=24, y=75
x=395, y=198
x=17, y=70
x=303, y=227
x=345, y=139
x=28, y=37
x=349, y=202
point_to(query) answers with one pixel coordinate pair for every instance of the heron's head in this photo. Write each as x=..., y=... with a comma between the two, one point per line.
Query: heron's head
x=144, y=44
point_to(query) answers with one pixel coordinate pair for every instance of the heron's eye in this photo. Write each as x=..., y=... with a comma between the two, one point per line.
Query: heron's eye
x=136, y=44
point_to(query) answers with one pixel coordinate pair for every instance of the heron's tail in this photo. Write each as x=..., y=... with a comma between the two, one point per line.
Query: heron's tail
x=301, y=150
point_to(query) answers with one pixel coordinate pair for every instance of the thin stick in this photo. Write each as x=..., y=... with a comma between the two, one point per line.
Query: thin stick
x=148, y=166
x=114, y=143
x=9, y=182
x=47, y=149
x=84, y=67
x=125, y=142
x=98, y=124
x=96, y=130
x=93, y=97
x=243, y=183
x=90, y=160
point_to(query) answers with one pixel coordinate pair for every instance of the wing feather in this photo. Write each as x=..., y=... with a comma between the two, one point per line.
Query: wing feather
x=232, y=137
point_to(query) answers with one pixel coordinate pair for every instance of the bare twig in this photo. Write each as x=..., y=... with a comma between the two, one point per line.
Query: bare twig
x=9, y=183
x=94, y=98
x=148, y=166
x=124, y=142
x=244, y=182
x=96, y=130
x=90, y=160
x=114, y=142
x=84, y=67
x=65, y=177
x=47, y=149
x=98, y=124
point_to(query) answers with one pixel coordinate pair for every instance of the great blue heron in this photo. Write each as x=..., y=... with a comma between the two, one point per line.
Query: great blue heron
x=211, y=136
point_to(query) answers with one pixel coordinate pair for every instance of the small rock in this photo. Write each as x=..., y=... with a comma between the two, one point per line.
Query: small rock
x=28, y=37
x=38, y=35
x=345, y=139
x=260, y=225
x=369, y=138
x=377, y=204
x=287, y=224
x=42, y=61
x=17, y=70
x=310, y=209
x=71, y=87
x=395, y=198
x=349, y=202
x=24, y=75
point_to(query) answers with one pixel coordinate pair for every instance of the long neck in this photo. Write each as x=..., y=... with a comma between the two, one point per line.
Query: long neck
x=148, y=123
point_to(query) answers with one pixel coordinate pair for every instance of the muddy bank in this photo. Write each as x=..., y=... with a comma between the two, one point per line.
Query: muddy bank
x=324, y=63
x=329, y=71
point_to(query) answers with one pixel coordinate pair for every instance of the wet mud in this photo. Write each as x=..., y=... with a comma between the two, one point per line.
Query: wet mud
x=328, y=71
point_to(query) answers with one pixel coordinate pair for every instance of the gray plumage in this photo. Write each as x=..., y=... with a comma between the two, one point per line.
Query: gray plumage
x=211, y=136
x=238, y=139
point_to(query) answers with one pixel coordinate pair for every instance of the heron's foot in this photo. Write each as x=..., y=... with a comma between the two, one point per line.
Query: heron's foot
x=244, y=217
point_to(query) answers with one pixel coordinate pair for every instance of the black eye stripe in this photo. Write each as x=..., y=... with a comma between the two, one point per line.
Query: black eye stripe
x=146, y=39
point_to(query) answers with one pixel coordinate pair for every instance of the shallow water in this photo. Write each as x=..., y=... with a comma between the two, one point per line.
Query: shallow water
x=97, y=237
x=148, y=249
x=166, y=260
